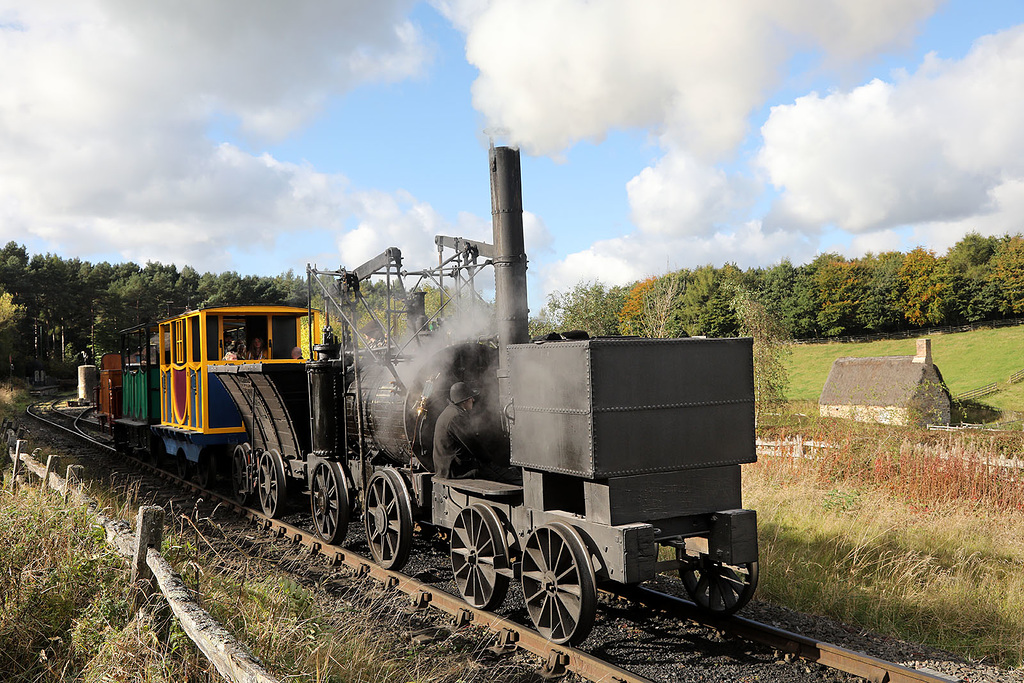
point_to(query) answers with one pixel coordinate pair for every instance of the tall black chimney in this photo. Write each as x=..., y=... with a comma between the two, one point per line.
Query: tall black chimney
x=509, y=249
x=509, y=259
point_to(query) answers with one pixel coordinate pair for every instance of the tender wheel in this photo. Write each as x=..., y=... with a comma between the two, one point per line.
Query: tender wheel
x=204, y=470
x=558, y=584
x=181, y=465
x=717, y=588
x=270, y=483
x=241, y=473
x=388, y=519
x=329, y=503
x=479, y=555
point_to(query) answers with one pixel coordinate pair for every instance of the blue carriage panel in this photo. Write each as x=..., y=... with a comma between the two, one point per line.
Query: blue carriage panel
x=223, y=413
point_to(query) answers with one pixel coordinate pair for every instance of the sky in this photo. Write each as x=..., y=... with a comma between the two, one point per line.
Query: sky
x=260, y=136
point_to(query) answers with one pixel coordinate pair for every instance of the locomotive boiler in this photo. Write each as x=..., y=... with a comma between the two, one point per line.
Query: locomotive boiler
x=629, y=449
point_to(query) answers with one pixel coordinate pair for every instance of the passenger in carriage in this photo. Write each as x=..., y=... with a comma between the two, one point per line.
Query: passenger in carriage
x=257, y=351
x=457, y=442
x=230, y=352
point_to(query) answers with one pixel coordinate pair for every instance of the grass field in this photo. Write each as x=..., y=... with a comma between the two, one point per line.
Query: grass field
x=967, y=360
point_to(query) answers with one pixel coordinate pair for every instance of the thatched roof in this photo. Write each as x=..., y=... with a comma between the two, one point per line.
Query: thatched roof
x=878, y=381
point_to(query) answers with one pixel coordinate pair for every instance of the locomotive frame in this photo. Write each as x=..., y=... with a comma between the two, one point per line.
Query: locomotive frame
x=630, y=449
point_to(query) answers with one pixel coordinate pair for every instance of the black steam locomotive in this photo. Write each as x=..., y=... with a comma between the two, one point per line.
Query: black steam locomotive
x=629, y=449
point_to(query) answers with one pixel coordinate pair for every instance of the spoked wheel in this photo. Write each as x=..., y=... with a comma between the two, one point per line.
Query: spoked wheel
x=204, y=469
x=270, y=483
x=479, y=555
x=558, y=584
x=717, y=588
x=329, y=502
x=242, y=473
x=388, y=519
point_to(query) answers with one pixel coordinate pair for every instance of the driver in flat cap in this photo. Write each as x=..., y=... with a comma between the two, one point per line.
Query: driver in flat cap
x=457, y=451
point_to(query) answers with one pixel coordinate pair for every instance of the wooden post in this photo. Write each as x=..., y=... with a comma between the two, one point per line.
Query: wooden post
x=17, y=463
x=74, y=478
x=149, y=533
x=52, y=463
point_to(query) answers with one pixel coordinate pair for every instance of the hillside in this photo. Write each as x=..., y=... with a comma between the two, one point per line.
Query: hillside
x=967, y=361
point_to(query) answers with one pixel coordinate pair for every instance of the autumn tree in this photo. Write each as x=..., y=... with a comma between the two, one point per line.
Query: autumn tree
x=924, y=288
x=841, y=288
x=648, y=307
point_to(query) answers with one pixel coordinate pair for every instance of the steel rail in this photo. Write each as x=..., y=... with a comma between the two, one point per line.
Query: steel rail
x=833, y=656
x=558, y=659
x=561, y=659
x=77, y=431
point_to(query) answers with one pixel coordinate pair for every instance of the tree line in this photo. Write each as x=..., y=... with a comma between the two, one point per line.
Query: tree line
x=978, y=279
x=53, y=308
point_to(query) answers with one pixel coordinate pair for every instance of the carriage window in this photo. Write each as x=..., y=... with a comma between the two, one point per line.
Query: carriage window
x=196, y=339
x=165, y=332
x=154, y=342
x=284, y=338
x=233, y=338
x=213, y=345
x=178, y=337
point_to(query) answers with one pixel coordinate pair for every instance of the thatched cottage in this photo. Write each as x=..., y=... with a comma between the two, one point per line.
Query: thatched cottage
x=887, y=389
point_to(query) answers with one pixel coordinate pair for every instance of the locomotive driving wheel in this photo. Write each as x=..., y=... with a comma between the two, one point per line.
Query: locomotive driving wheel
x=559, y=584
x=329, y=502
x=388, y=519
x=241, y=473
x=479, y=555
x=717, y=588
x=270, y=483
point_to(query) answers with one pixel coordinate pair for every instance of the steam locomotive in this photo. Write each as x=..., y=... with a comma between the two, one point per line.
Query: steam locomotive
x=629, y=449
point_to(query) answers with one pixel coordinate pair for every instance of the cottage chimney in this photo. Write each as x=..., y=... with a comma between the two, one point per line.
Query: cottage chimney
x=924, y=351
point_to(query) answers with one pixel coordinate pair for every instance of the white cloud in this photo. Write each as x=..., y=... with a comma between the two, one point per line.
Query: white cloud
x=622, y=260
x=105, y=107
x=941, y=147
x=555, y=72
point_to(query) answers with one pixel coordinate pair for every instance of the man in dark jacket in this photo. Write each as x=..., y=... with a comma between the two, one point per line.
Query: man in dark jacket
x=457, y=451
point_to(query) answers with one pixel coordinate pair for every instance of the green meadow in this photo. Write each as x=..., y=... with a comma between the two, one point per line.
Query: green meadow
x=967, y=360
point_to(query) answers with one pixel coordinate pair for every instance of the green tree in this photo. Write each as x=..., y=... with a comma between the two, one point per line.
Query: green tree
x=841, y=288
x=1008, y=275
x=588, y=306
x=771, y=348
x=880, y=307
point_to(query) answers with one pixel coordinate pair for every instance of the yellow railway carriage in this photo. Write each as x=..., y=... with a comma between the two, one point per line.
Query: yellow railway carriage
x=198, y=420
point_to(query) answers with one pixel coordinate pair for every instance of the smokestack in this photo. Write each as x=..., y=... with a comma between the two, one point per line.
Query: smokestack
x=509, y=248
x=509, y=259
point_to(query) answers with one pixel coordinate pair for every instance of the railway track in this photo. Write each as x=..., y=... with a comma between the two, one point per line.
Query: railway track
x=557, y=660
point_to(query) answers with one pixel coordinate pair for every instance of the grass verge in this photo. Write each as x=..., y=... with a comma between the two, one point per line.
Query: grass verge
x=908, y=533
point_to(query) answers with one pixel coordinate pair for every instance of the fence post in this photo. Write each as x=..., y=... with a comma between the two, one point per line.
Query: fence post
x=74, y=478
x=17, y=463
x=149, y=533
x=52, y=463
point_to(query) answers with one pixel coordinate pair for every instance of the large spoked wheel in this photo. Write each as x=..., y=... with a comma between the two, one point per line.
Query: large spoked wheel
x=558, y=584
x=388, y=519
x=479, y=555
x=329, y=502
x=241, y=473
x=717, y=588
x=270, y=483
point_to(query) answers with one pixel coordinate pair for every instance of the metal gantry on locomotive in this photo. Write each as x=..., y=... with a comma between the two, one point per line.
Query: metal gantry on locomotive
x=629, y=450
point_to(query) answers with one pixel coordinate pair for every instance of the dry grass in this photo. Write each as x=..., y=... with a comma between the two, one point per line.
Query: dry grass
x=911, y=534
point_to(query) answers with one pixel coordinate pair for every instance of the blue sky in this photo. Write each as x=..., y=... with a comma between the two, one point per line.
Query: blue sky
x=257, y=137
